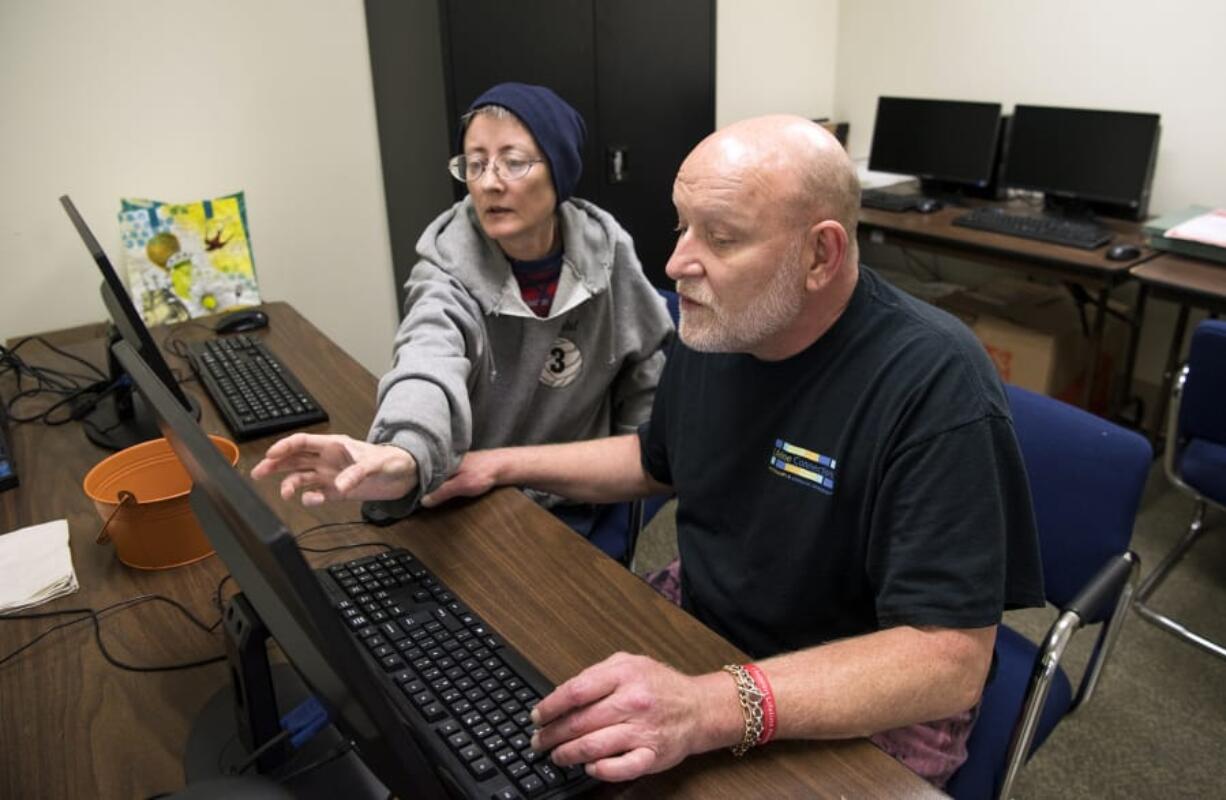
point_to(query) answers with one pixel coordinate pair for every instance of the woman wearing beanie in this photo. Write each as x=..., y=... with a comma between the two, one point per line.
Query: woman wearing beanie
x=528, y=320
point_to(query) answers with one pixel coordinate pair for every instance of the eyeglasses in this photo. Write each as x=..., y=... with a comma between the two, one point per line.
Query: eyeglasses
x=507, y=167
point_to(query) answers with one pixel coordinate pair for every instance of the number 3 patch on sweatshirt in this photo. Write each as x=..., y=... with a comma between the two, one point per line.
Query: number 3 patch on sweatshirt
x=562, y=365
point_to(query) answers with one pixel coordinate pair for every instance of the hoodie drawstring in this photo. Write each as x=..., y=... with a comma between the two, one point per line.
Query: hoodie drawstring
x=612, y=316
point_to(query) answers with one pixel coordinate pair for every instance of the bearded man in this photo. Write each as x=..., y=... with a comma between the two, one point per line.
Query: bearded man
x=852, y=508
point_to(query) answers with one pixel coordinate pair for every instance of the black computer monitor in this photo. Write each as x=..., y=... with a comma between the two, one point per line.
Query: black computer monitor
x=1083, y=160
x=276, y=580
x=119, y=419
x=950, y=145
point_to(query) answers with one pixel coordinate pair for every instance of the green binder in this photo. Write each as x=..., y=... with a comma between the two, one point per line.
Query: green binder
x=1155, y=228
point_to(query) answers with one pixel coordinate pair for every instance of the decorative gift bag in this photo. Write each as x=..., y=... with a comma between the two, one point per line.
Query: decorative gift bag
x=187, y=260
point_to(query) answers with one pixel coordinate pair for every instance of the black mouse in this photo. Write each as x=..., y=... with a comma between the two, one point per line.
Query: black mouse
x=249, y=319
x=1123, y=252
x=928, y=205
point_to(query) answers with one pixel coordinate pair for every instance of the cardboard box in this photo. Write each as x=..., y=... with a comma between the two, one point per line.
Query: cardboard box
x=1033, y=334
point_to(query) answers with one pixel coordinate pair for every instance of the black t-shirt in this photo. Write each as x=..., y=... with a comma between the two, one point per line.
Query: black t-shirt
x=871, y=481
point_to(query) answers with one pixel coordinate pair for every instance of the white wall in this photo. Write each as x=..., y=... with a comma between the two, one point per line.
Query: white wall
x=183, y=101
x=774, y=56
x=1135, y=55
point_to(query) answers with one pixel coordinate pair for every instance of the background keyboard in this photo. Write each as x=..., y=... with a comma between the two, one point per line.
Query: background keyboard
x=889, y=201
x=1073, y=233
x=466, y=692
x=252, y=389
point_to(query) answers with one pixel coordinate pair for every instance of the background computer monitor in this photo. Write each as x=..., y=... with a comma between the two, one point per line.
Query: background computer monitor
x=950, y=145
x=264, y=560
x=1083, y=160
x=119, y=419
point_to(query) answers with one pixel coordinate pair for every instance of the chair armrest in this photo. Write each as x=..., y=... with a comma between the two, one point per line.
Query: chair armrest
x=1104, y=598
x=633, y=529
x=1098, y=599
x=1170, y=455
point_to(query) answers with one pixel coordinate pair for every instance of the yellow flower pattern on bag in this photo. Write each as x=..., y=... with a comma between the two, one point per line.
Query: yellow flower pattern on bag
x=186, y=260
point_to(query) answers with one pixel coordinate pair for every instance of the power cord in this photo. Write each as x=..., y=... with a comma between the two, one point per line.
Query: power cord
x=178, y=348
x=246, y=763
x=10, y=359
x=95, y=615
x=217, y=601
x=327, y=758
x=299, y=726
x=314, y=529
x=79, y=392
x=283, y=778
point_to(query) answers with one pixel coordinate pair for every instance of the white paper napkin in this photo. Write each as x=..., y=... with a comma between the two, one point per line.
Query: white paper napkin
x=35, y=565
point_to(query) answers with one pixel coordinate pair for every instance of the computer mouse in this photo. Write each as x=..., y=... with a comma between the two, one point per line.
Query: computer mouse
x=928, y=205
x=1123, y=252
x=249, y=319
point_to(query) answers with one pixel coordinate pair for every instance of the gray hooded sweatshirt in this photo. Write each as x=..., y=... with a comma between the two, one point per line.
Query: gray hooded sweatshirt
x=474, y=368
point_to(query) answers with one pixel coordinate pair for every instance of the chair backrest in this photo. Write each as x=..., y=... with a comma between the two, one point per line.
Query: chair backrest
x=1202, y=412
x=614, y=529
x=673, y=303
x=1086, y=479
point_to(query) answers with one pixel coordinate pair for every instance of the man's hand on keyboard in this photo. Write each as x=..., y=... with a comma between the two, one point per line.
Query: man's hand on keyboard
x=629, y=716
x=330, y=467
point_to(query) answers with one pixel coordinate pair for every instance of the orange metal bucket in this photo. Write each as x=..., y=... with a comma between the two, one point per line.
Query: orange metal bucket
x=154, y=528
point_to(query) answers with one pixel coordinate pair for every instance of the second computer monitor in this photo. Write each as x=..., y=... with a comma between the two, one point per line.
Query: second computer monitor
x=119, y=419
x=1100, y=160
x=948, y=144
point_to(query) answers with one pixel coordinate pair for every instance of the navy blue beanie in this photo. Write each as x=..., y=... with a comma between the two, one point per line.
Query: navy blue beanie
x=558, y=129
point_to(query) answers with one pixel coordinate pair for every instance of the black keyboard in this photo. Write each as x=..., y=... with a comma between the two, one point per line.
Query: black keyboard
x=252, y=389
x=1073, y=233
x=8, y=469
x=465, y=691
x=889, y=201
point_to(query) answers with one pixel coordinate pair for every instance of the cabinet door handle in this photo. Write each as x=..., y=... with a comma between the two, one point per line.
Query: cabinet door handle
x=616, y=160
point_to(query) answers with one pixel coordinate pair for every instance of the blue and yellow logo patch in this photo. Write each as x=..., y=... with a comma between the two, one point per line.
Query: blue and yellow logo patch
x=803, y=466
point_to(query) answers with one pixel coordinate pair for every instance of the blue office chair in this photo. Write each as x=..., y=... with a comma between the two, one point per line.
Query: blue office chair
x=1086, y=478
x=617, y=527
x=674, y=304
x=1195, y=459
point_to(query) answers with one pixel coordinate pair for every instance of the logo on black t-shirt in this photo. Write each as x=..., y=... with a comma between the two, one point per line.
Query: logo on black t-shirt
x=803, y=466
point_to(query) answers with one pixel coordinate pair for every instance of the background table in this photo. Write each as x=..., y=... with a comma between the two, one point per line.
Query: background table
x=1088, y=273
x=1190, y=282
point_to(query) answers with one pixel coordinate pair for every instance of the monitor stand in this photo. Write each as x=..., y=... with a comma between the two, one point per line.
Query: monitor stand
x=244, y=715
x=120, y=418
x=954, y=194
x=1070, y=208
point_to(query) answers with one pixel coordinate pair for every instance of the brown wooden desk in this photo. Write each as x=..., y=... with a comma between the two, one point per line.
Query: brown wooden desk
x=73, y=726
x=1190, y=282
x=1087, y=269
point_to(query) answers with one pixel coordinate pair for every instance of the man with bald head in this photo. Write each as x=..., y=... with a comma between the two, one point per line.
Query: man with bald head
x=852, y=509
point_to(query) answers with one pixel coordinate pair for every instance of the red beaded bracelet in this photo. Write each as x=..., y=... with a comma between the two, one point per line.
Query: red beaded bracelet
x=769, y=717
